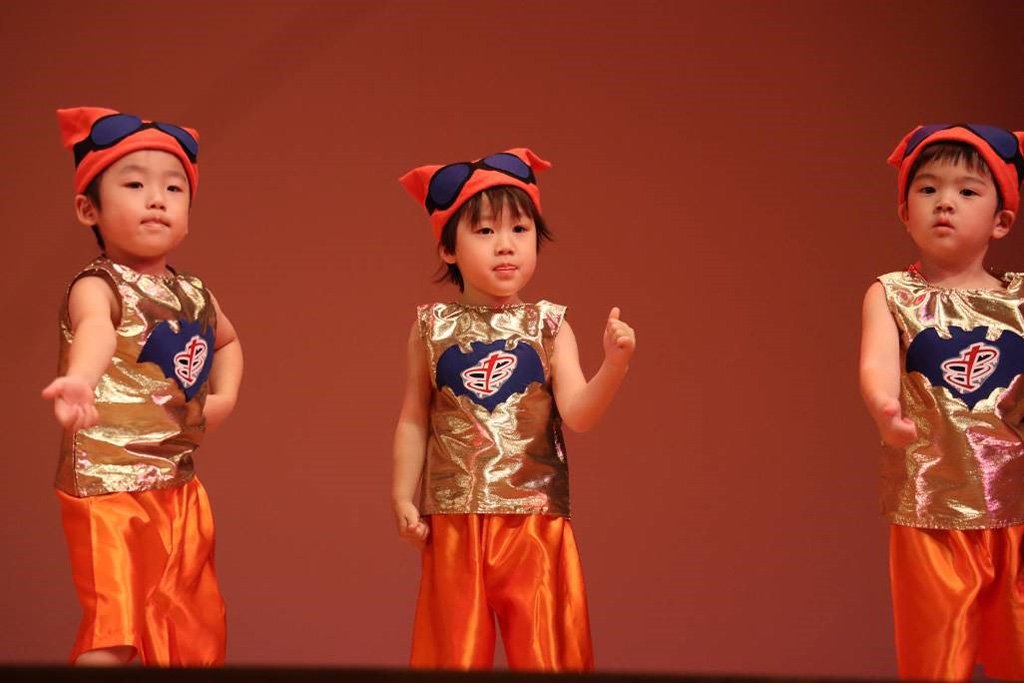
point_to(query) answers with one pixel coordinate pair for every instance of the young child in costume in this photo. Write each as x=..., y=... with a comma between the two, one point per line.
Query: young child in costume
x=941, y=362
x=480, y=427
x=138, y=387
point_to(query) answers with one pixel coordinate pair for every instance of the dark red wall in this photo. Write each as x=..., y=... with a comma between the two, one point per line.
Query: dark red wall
x=719, y=174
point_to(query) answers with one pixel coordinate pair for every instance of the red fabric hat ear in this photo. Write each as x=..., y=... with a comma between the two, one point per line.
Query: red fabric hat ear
x=417, y=181
x=531, y=159
x=76, y=123
x=896, y=157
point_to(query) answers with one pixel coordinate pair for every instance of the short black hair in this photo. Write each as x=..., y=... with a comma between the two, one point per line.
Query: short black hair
x=92, y=192
x=500, y=198
x=953, y=152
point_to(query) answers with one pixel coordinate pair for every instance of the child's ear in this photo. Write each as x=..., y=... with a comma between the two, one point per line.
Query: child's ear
x=445, y=255
x=86, y=211
x=903, y=213
x=1004, y=221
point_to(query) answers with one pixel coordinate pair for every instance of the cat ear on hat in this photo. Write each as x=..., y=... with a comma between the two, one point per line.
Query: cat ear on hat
x=896, y=158
x=417, y=182
x=76, y=123
x=531, y=158
x=191, y=131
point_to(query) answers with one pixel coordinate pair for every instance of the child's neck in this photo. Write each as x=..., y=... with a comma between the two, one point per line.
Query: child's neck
x=471, y=297
x=489, y=302
x=146, y=266
x=956, y=275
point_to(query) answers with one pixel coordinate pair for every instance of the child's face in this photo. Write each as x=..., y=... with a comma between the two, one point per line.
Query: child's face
x=497, y=256
x=144, y=200
x=951, y=214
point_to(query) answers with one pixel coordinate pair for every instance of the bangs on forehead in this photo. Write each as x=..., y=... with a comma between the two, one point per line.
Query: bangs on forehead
x=954, y=153
x=500, y=199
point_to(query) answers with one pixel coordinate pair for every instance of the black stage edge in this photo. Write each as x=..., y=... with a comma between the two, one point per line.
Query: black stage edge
x=45, y=674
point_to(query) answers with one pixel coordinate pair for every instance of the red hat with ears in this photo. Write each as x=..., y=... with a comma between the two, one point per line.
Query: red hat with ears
x=443, y=189
x=98, y=137
x=1001, y=150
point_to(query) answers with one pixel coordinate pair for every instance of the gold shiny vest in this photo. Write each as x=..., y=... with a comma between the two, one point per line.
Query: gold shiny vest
x=150, y=400
x=962, y=359
x=495, y=440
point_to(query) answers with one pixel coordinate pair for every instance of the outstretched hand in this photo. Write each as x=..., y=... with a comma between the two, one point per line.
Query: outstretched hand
x=619, y=340
x=895, y=429
x=72, y=402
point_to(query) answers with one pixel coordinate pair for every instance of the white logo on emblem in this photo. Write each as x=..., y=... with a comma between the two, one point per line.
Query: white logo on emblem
x=486, y=377
x=968, y=371
x=188, y=364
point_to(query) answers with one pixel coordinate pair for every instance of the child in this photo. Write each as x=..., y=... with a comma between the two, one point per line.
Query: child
x=485, y=375
x=138, y=386
x=940, y=368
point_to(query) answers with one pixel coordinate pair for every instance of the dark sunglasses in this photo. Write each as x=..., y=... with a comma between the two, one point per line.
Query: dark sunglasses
x=112, y=129
x=1003, y=142
x=448, y=181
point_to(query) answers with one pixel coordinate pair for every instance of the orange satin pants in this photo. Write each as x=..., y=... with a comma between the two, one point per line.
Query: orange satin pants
x=523, y=569
x=958, y=599
x=143, y=569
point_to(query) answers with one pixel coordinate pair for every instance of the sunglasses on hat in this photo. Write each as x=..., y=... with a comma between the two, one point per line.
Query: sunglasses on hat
x=110, y=130
x=448, y=181
x=1004, y=143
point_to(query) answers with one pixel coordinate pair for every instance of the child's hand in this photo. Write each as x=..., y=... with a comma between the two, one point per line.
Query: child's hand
x=410, y=526
x=896, y=430
x=72, y=402
x=619, y=340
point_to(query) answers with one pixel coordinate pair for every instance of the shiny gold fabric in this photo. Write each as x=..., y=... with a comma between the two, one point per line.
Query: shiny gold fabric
x=511, y=460
x=523, y=569
x=966, y=468
x=143, y=569
x=147, y=430
x=958, y=599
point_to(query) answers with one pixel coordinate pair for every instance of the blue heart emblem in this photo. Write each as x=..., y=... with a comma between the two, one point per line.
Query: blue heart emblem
x=970, y=366
x=185, y=356
x=489, y=373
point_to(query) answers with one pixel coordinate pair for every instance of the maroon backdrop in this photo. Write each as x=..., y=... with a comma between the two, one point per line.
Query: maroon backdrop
x=719, y=174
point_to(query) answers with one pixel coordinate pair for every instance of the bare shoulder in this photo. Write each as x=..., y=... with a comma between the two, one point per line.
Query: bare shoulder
x=416, y=351
x=565, y=336
x=876, y=315
x=875, y=296
x=93, y=285
x=414, y=334
x=565, y=352
x=217, y=307
x=92, y=295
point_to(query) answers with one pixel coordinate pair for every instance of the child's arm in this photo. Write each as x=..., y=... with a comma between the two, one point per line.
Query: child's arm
x=411, y=443
x=880, y=370
x=92, y=309
x=226, y=374
x=580, y=403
